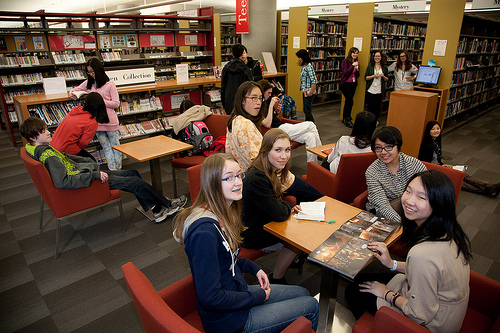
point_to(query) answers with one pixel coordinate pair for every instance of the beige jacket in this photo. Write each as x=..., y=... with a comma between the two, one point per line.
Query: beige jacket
x=436, y=284
x=195, y=113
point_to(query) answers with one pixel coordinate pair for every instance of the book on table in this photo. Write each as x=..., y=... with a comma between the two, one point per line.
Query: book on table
x=346, y=250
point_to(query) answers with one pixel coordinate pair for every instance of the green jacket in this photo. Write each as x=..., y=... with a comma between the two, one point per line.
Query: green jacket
x=66, y=171
x=370, y=70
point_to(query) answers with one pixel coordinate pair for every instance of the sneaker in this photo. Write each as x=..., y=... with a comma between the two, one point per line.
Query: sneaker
x=164, y=212
x=179, y=202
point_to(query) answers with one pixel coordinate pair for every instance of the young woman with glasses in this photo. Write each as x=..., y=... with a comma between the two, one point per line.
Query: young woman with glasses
x=387, y=176
x=404, y=72
x=107, y=134
x=267, y=181
x=211, y=233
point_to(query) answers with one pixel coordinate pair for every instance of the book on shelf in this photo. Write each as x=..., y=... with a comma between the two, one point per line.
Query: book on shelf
x=215, y=95
x=346, y=250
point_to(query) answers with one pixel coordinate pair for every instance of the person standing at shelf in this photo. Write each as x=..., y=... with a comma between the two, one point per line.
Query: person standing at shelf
x=234, y=74
x=308, y=82
x=376, y=76
x=78, y=127
x=107, y=134
x=348, y=83
x=404, y=72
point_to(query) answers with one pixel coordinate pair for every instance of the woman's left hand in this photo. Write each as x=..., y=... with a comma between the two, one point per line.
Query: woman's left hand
x=296, y=209
x=263, y=279
x=376, y=288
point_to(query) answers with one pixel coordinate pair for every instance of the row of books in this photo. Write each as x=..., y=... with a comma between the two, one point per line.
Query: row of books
x=65, y=58
x=316, y=41
x=325, y=28
x=284, y=40
x=19, y=79
x=17, y=60
x=328, y=76
x=230, y=40
x=327, y=88
x=140, y=105
x=111, y=56
x=465, y=91
x=71, y=74
x=334, y=28
x=142, y=128
x=396, y=44
x=284, y=29
x=215, y=95
x=475, y=45
x=52, y=113
x=326, y=65
x=474, y=75
x=468, y=103
x=9, y=95
x=284, y=51
x=13, y=116
x=388, y=28
x=459, y=63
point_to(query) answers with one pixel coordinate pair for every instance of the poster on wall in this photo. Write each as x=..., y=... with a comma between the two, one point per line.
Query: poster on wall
x=73, y=42
x=131, y=40
x=21, y=44
x=104, y=41
x=39, y=43
x=3, y=45
x=118, y=41
x=176, y=100
x=157, y=40
x=191, y=39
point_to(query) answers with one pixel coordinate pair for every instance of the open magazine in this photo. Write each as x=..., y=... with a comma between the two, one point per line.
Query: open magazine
x=346, y=251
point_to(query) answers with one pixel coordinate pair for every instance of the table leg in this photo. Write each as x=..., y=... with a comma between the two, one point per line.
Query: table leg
x=154, y=165
x=329, y=284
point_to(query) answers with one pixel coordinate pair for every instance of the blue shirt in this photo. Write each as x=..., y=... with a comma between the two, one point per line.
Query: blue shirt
x=307, y=77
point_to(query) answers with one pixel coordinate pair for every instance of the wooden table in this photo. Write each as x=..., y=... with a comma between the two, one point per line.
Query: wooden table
x=308, y=235
x=151, y=149
x=318, y=150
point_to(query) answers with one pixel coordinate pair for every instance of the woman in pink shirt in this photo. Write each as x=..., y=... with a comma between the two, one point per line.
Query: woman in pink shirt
x=107, y=134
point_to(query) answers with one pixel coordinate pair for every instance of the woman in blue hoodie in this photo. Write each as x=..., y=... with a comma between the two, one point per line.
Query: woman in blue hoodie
x=211, y=233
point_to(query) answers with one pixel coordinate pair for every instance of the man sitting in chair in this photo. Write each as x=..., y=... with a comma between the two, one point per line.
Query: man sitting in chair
x=72, y=172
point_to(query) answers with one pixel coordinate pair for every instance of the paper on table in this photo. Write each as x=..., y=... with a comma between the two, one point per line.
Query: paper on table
x=312, y=211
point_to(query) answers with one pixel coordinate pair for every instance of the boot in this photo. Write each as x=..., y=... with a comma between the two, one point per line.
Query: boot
x=347, y=122
x=277, y=281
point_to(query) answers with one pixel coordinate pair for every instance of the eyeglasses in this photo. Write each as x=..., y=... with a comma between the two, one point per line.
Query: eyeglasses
x=233, y=178
x=256, y=99
x=387, y=148
x=402, y=55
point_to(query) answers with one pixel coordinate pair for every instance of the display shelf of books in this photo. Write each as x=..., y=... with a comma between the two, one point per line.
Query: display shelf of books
x=476, y=75
x=284, y=46
x=229, y=37
x=326, y=46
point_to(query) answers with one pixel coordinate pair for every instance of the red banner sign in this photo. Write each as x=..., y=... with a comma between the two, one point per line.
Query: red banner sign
x=71, y=42
x=242, y=17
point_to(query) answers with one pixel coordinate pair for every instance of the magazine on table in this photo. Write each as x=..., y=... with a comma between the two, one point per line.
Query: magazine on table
x=346, y=250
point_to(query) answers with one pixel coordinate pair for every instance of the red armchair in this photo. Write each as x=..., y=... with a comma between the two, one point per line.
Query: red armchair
x=482, y=313
x=67, y=203
x=173, y=309
x=217, y=126
x=347, y=183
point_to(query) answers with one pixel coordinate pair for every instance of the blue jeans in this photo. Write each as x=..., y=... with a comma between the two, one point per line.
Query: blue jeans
x=302, y=191
x=107, y=141
x=308, y=101
x=284, y=306
x=131, y=181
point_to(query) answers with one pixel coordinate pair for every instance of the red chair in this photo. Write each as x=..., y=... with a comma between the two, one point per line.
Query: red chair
x=347, y=183
x=456, y=177
x=217, y=126
x=66, y=203
x=482, y=313
x=173, y=309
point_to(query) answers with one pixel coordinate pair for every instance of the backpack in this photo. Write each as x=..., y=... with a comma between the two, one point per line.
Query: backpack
x=288, y=109
x=198, y=135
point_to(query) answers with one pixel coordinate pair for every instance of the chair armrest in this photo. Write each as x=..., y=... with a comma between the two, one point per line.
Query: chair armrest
x=361, y=200
x=389, y=321
x=321, y=179
x=484, y=295
x=300, y=325
x=291, y=199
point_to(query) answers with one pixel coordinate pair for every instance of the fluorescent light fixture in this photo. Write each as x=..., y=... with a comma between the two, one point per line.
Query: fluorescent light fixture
x=157, y=4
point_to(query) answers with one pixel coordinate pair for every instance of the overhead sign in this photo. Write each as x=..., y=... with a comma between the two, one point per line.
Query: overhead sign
x=123, y=77
x=483, y=4
x=401, y=6
x=328, y=10
x=242, y=26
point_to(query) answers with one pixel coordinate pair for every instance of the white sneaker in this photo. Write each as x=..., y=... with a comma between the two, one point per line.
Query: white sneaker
x=179, y=202
x=164, y=212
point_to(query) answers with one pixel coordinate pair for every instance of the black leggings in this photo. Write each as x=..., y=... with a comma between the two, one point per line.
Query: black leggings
x=348, y=89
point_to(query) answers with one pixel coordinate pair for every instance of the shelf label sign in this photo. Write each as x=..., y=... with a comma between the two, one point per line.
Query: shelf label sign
x=328, y=10
x=484, y=4
x=401, y=6
x=182, y=73
x=123, y=77
x=242, y=26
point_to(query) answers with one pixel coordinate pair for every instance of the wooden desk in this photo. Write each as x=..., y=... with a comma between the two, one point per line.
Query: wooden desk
x=308, y=235
x=318, y=150
x=151, y=149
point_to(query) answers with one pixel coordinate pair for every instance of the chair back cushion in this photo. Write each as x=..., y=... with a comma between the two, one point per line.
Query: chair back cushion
x=64, y=202
x=194, y=176
x=217, y=124
x=156, y=315
x=350, y=178
x=456, y=176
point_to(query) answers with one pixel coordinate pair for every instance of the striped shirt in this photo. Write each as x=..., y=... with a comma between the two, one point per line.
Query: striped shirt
x=384, y=186
x=307, y=77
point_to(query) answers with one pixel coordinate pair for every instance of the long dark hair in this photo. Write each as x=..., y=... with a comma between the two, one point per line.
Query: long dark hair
x=399, y=63
x=442, y=224
x=304, y=55
x=363, y=128
x=427, y=146
x=94, y=104
x=100, y=76
x=238, y=110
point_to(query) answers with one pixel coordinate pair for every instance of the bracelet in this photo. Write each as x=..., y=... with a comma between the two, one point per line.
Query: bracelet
x=394, y=296
x=385, y=296
x=395, y=266
x=394, y=302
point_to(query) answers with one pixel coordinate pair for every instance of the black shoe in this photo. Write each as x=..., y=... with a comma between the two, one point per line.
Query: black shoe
x=348, y=123
x=277, y=281
x=299, y=262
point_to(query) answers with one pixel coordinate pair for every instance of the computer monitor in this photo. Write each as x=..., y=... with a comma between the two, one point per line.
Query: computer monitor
x=428, y=75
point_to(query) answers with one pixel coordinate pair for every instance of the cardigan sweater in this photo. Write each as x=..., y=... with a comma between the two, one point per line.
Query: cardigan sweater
x=370, y=70
x=347, y=69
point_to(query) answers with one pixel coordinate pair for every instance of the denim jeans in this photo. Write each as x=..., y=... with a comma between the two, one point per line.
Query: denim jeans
x=285, y=304
x=308, y=101
x=348, y=89
x=131, y=181
x=302, y=191
x=107, y=141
